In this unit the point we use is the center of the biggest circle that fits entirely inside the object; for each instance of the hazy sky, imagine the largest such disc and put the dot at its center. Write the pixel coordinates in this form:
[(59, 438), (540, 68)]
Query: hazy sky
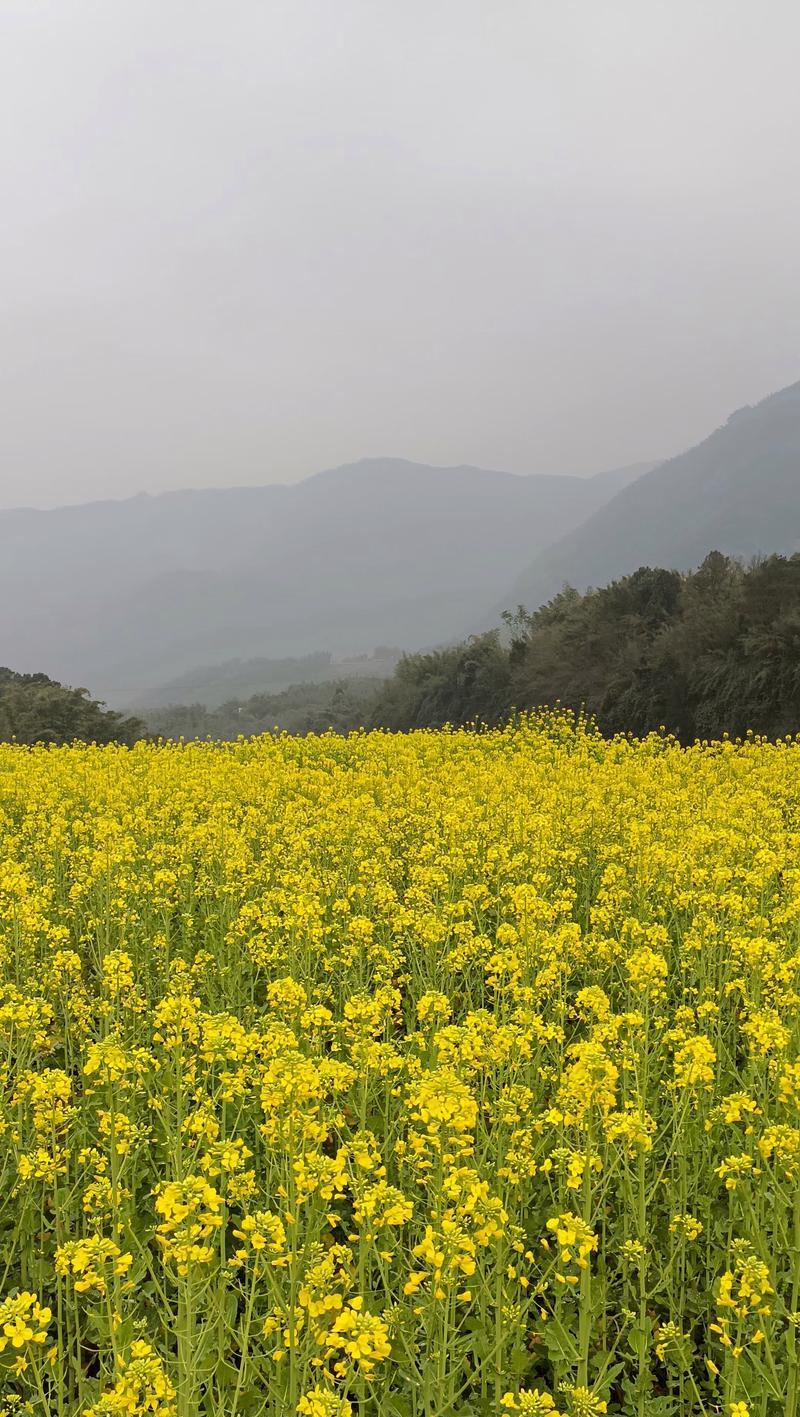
[(243, 241)]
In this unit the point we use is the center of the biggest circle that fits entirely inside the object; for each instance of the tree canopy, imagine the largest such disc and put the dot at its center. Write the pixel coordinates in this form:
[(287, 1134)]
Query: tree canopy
[(37, 709), (701, 654)]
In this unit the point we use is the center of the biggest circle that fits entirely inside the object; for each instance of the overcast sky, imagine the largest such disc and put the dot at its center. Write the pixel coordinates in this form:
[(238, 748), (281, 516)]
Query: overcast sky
[(244, 241)]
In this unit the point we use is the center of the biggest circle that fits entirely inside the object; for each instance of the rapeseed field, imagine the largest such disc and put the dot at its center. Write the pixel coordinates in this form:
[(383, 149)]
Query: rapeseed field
[(456, 1073)]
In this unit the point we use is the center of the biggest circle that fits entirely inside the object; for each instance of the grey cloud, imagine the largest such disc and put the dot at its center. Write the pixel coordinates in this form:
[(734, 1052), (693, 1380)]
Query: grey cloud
[(242, 242)]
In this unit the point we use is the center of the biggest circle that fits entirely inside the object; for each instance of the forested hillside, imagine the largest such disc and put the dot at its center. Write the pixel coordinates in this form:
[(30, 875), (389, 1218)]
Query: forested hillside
[(702, 654), (36, 709), (340, 705), (738, 491)]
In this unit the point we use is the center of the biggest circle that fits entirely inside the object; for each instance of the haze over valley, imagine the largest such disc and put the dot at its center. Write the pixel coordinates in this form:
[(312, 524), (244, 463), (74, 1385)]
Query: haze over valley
[(214, 594), (382, 552)]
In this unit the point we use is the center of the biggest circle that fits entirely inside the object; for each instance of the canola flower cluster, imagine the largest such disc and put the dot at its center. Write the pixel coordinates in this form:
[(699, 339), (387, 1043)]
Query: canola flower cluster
[(455, 1073)]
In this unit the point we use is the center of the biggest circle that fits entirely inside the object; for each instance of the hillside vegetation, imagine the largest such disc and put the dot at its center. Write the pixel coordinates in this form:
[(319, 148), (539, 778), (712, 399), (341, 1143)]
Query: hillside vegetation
[(340, 705), (713, 652), (702, 654), (36, 709), (738, 491), (214, 686)]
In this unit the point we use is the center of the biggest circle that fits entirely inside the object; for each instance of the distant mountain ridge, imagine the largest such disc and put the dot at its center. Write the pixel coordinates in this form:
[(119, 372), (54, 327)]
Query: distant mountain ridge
[(239, 679), (737, 492), (122, 596)]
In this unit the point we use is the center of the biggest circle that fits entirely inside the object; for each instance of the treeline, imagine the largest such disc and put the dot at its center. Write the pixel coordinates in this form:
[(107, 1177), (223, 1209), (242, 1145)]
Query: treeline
[(36, 709), (704, 654), (236, 681), (302, 708)]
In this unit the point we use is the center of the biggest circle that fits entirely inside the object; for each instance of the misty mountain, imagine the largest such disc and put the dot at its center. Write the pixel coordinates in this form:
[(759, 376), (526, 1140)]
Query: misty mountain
[(240, 679), (122, 596), (737, 492)]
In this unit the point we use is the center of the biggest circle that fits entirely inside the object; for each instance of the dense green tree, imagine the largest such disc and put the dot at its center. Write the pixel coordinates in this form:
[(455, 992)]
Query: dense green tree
[(712, 652), (36, 709), (470, 681)]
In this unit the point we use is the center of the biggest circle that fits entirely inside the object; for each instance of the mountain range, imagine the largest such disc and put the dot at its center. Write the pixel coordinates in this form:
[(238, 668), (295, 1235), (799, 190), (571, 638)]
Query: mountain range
[(133, 598), (738, 492), (122, 596)]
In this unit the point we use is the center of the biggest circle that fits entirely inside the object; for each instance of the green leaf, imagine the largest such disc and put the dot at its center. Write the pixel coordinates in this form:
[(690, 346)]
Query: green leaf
[(559, 1342)]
